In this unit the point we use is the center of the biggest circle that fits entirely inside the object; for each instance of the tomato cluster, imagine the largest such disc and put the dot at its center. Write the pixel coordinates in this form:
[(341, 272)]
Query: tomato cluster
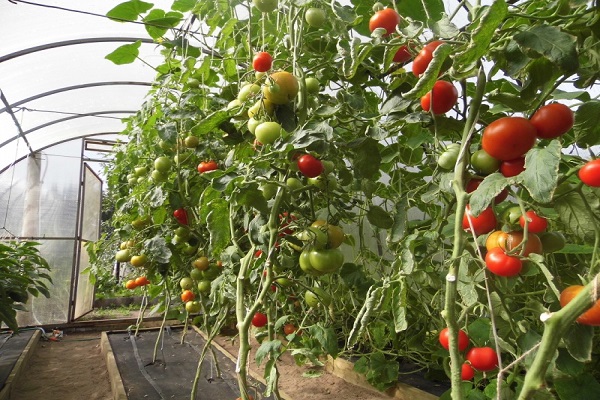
[(137, 282), (480, 358)]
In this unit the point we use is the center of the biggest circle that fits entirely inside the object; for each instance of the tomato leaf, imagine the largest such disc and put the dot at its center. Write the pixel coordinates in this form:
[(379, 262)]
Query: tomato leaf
[(129, 10), (267, 347), (567, 364), (399, 304), (157, 22), (327, 337), (487, 191), (573, 213), (587, 124), (424, 11), (541, 171), (217, 222), (250, 195), (398, 229), (483, 33), (444, 27), (211, 122), (539, 261), (367, 159), (578, 339), (584, 386), (480, 331), (157, 249), (551, 43), (353, 54), (125, 54), (380, 218)]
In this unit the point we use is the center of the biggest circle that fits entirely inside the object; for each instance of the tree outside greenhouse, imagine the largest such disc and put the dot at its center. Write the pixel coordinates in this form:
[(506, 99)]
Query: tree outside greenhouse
[(401, 180)]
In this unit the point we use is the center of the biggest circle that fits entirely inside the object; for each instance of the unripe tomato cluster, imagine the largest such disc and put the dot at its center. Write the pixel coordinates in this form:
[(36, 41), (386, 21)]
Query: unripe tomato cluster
[(477, 358), (137, 282)]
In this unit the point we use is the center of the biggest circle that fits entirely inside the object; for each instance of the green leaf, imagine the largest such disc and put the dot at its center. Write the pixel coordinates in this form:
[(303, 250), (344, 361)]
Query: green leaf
[(326, 337), (8, 316), (551, 43), (211, 122), (353, 53), (380, 218), (424, 11), (157, 249), (183, 5), (487, 191), (567, 364), (480, 331), (444, 27), (541, 171), (399, 305), (157, 22), (382, 372), (587, 124), (250, 195), (125, 54), (129, 10), (267, 347), (482, 35), (574, 214), (217, 222), (582, 387), (579, 339), (398, 230)]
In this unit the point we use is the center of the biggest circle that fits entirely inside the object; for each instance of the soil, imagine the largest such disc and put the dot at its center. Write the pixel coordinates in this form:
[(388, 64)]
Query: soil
[(73, 368)]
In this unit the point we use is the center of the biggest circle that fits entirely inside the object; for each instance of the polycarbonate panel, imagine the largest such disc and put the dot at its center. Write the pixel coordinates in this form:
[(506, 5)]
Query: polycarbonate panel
[(84, 298), (12, 195), (92, 204), (55, 309)]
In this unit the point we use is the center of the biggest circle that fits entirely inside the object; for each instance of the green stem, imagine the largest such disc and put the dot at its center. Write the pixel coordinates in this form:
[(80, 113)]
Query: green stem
[(164, 321)]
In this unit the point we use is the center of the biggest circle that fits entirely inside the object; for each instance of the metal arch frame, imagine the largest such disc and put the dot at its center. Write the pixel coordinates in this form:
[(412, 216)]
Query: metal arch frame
[(73, 42), (16, 161), (75, 87)]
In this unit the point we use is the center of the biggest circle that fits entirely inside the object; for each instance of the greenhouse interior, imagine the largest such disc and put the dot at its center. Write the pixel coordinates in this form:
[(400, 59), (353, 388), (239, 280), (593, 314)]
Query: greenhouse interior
[(300, 199)]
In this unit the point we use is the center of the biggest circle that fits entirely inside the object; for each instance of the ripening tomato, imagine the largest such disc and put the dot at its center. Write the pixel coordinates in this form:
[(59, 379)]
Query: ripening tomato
[(206, 166), (483, 223), (536, 223), (501, 264), (142, 281), (259, 320), (181, 216), (467, 372), (509, 241), (262, 61), (310, 166), (130, 284), (552, 120), (187, 295), (590, 173), (445, 96), (424, 57), (474, 183), (508, 138), (591, 316), (402, 55), (512, 167), (387, 19), (288, 329), (483, 358), (463, 339)]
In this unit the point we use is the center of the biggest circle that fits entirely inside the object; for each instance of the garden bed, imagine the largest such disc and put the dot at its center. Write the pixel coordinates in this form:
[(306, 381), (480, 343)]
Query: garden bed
[(15, 350)]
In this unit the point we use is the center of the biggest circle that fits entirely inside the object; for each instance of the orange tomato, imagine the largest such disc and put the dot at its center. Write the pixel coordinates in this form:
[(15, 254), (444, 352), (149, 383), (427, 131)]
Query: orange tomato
[(187, 295), (142, 281), (130, 284), (591, 316), (510, 240)]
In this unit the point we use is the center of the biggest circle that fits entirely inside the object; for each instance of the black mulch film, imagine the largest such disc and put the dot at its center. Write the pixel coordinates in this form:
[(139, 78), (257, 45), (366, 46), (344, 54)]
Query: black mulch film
[(172, 375), (11, 347)]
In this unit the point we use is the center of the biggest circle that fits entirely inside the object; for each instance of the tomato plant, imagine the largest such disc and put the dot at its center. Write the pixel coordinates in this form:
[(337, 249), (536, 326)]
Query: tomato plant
[(552, 120), (535, 223), (501, 264), (387, 19), (508, 138), (262, 61), (463, 339), (444, 96), (482, 358), (590, 173)]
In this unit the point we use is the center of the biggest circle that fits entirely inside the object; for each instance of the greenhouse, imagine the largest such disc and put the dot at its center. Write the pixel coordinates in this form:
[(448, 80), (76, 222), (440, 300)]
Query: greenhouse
[(300, 199)]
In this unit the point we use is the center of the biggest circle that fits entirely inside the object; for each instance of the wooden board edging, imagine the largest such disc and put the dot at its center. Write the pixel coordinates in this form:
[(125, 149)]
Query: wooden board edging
[(344, 369), (13, 377), (116, 383)]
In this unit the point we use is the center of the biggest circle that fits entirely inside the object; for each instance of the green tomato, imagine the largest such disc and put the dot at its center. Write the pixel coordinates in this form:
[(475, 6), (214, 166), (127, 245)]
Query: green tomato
[(305, 264), (284, 282), (316, 296), (269, 190), (294, 183), (315, 17), (265, 5), (204, 286), (252, 124), (511, 215), (552, 241), (186, 283), (483, 163), (196, 274), (191, 142), (140, 171), (312, 85), (193, 83), (268, 132), (189, 250), (448, 158), (326, 260), (247, 91), (315, 236), (193, 307), (324, 182), (123, 255), (158, 176), (162, 164)]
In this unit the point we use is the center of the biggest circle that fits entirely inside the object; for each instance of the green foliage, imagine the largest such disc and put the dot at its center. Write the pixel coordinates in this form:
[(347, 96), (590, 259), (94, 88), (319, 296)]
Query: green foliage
[(23, 272)]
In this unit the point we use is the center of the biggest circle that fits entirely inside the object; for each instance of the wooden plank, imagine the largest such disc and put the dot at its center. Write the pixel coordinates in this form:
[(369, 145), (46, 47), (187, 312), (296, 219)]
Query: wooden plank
[(116, 383), (344, 369), (6, 392)]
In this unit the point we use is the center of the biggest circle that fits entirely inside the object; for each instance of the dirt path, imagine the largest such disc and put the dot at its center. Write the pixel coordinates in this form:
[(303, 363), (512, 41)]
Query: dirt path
[(70, 369)]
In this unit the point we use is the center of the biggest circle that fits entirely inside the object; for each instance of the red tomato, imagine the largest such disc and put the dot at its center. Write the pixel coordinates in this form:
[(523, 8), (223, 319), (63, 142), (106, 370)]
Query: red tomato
[(536, 223), (288, 329), (512, 167), (206, 166), (259, 320), (187, 295), (310, 166), (387, 19), (552, 120), (467, 372), (484, 223), (181, 216), (591, 316), (402, 55), (424, 57), (501, 264), (142, 281), (590, 173), (474, 183), (262, 61), (483, 358), (463, 339), (508, 138), (445, 96)]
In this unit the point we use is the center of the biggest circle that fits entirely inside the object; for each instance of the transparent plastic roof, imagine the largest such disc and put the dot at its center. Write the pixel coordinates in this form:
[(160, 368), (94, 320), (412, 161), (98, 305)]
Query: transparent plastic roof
[(55, 79)]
